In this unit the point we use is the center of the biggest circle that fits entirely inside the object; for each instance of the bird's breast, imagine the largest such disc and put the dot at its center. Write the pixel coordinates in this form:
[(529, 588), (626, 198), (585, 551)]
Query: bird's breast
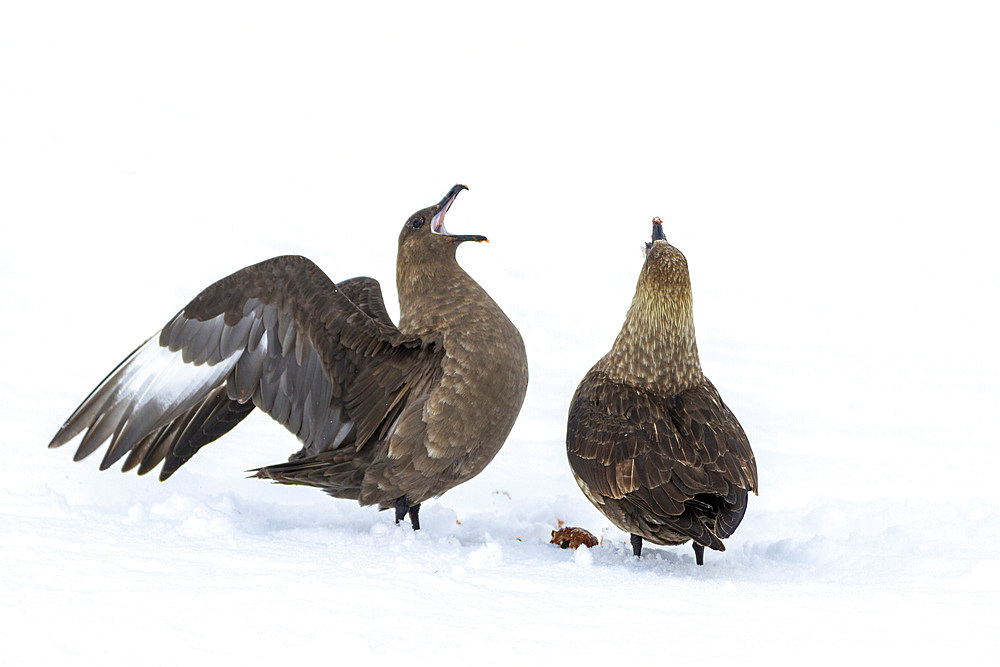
[(481, 391)]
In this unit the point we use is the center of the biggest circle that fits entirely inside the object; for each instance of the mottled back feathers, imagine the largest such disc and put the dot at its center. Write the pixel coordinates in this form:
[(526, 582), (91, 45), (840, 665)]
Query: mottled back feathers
[(669, 468)]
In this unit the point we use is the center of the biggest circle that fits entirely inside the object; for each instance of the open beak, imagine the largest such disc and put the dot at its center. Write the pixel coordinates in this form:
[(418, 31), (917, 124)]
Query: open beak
[(437, 222)]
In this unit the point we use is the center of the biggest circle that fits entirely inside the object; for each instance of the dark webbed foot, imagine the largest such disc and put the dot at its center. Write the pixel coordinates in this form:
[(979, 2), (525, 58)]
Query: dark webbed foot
[(636, 546), (699, 553), (403, 506)]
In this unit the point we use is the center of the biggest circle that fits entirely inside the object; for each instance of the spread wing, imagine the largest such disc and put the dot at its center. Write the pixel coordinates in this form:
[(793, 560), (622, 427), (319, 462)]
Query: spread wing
[(682, 462), (324, 360)]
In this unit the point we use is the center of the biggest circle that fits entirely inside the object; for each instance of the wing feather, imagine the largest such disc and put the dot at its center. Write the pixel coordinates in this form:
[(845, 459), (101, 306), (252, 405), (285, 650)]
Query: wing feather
[(689, 465), (278, 335)]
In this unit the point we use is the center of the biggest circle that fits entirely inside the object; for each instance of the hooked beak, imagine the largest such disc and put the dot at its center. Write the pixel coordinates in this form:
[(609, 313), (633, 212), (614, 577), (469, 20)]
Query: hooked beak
[(437, 222), (658, 230), (657, 235)]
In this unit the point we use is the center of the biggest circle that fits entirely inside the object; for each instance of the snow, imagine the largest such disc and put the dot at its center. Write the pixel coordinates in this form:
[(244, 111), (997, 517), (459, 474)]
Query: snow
[(830, 173)]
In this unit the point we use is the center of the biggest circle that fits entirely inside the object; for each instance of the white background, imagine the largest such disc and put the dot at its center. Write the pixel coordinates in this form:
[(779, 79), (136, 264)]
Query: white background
[(830, 171)]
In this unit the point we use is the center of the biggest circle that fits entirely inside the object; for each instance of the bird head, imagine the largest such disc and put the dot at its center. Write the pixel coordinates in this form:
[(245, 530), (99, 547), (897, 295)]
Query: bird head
[(665, 268), (424, 231)]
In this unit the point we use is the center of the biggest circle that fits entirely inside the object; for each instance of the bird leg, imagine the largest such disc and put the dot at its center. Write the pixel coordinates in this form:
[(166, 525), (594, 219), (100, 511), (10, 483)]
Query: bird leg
[(636, 546), (403, 506), (699, 553)]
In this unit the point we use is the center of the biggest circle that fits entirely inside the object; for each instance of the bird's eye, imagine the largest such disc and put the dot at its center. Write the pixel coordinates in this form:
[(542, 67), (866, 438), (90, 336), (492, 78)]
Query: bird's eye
[(417, 223)]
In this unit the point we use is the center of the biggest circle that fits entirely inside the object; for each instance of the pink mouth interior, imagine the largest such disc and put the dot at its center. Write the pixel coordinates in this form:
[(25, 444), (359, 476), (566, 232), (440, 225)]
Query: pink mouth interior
[(437, 222)]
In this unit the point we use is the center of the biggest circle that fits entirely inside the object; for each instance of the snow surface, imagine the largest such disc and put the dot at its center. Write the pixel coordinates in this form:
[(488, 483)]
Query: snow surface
[(830, 172)]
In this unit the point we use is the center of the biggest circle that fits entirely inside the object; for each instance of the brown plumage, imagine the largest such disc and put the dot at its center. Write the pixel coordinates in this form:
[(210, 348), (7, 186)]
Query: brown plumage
[(386, 415), (649, 439)]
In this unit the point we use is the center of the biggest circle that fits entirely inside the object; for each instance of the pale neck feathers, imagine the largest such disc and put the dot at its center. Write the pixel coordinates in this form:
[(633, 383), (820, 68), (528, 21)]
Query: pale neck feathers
[(656, 347)]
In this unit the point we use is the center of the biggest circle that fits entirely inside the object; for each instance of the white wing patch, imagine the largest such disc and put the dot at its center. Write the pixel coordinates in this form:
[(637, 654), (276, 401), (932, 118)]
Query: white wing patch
[(149, 389), (154, 388), (156, 376), (262, 357)]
